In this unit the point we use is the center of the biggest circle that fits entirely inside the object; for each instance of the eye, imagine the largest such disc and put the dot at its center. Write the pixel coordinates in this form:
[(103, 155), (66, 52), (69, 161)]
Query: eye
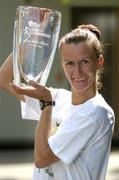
[(69, 63), (84, 61)]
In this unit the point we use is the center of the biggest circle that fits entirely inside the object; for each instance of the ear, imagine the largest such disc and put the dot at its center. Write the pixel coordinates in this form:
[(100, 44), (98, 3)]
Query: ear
[(100, 61)]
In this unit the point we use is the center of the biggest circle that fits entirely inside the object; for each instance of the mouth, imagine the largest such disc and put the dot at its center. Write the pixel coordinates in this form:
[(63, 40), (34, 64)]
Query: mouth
[(78, 80)]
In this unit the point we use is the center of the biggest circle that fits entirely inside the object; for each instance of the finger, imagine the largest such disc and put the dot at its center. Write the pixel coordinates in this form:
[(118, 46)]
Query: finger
[(35, 84), (26, 90), (17, 89)]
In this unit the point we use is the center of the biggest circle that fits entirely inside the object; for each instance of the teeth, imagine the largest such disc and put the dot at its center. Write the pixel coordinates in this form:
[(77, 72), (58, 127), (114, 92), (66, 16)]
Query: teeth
[(76, 79)]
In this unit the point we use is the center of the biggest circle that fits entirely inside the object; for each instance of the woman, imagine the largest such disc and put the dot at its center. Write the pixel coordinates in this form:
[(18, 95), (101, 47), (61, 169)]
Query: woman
[(83, 122)]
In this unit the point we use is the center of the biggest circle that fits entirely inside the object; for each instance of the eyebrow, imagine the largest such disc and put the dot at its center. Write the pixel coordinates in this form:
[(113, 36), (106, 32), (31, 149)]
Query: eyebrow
[(86, 57)]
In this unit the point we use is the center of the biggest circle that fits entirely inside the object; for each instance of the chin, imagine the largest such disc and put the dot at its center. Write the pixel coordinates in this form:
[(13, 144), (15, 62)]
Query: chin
[(82, 89), (79, 90)]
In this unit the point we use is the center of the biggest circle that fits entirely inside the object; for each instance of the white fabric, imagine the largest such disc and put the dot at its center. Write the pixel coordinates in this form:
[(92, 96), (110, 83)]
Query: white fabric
[(30, 109), (82, 141)]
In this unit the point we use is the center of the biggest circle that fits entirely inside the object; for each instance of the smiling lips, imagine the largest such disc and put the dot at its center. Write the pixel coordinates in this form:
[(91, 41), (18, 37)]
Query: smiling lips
[(79, 79)]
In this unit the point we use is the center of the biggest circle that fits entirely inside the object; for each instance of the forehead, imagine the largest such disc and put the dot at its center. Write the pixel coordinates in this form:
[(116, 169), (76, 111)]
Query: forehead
[(77, 50)]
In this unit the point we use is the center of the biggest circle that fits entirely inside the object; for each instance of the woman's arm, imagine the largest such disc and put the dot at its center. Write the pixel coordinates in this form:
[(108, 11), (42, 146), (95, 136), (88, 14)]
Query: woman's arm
[(6, 77), (43, 154)]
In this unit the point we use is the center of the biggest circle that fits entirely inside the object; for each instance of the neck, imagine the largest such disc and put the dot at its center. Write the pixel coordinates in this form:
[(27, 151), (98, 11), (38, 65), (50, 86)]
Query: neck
[(81, 97)]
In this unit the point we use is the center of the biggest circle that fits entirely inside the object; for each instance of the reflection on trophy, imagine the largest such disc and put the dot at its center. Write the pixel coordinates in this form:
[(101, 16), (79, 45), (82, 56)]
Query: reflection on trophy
[(36, 32)]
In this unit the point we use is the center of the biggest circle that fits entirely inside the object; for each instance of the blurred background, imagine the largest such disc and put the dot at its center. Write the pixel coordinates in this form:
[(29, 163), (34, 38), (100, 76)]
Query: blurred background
[(17, 135)]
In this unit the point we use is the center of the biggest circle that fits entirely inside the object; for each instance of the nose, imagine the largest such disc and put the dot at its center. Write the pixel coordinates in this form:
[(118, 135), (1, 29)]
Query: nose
[(78, 69)]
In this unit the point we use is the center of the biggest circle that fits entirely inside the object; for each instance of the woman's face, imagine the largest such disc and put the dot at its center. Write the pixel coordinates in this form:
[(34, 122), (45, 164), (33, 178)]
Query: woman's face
[(80, 65)]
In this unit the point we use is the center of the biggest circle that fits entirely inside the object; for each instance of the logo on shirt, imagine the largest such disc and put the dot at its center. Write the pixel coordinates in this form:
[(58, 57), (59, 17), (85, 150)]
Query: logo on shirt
[(49, 172)]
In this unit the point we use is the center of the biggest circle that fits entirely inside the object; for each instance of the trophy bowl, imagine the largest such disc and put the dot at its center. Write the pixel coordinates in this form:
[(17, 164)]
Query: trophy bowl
[(36, 33)]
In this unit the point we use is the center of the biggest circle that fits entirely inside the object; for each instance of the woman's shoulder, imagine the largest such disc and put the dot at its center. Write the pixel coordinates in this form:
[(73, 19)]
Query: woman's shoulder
[(102, 104), (97, 106), (102, 110)]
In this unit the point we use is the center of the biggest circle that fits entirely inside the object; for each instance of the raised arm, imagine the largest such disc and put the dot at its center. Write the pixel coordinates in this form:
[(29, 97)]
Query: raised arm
[(6, 77), (43, 154)]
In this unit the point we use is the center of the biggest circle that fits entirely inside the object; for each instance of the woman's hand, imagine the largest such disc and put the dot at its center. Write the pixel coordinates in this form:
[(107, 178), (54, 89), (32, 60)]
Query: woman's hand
[(34, 90)]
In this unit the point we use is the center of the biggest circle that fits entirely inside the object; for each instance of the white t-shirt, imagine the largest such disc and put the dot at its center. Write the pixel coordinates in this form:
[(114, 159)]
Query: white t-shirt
[(82, 140)]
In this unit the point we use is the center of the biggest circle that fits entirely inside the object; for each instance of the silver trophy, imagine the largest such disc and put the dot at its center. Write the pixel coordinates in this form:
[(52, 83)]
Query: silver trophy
[(36, 32)]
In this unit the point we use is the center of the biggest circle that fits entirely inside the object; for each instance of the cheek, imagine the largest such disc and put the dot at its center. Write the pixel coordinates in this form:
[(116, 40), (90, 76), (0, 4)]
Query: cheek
[(66, 70), (68, 73), (92, 75), (92, 69)]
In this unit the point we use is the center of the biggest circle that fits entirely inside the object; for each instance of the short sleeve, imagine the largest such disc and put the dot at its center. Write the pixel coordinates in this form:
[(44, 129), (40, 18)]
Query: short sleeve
[(72, 137)]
